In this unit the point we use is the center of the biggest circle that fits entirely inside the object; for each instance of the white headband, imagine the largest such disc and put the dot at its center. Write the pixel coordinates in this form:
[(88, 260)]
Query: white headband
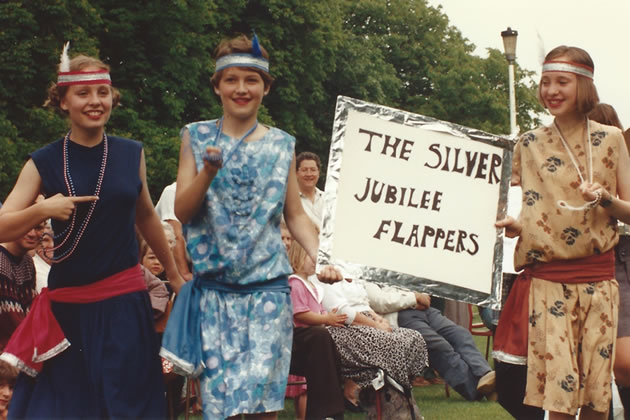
[(569, 67), (242, 60), (65, 77), (83, 78)]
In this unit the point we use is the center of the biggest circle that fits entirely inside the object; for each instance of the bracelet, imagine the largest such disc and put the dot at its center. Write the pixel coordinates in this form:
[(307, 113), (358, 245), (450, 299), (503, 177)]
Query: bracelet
[(598, 199)]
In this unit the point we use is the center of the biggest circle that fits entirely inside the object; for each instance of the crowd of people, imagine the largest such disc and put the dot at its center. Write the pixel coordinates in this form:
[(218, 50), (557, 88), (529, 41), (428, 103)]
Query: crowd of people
[(89, 269)]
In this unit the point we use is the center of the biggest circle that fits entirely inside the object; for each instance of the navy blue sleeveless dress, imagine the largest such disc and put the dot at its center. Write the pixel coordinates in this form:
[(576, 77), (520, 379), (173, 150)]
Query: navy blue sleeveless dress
[(112, 368)]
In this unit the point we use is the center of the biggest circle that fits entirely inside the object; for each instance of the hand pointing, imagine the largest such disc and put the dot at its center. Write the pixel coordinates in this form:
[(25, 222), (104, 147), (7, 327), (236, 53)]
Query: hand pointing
[(60, 207)]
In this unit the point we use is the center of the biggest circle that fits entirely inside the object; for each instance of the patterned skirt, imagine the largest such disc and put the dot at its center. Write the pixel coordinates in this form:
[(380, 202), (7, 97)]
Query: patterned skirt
[(401, 354), (572, 331), (246, 341)]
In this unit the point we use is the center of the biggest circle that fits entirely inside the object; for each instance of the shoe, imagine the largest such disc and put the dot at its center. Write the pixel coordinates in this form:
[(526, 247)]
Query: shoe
[(487, 383), (436, 381), (420, 381)]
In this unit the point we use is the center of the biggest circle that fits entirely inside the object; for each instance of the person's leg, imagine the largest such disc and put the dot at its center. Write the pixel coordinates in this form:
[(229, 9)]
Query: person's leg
[(442, 355), (315, 357), (511, 381), (587, 413), (622, 373), (300, 406), (461, 340)]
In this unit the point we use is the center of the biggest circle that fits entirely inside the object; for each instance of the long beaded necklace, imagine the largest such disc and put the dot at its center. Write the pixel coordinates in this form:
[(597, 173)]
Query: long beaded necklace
[(68, 232), (589, 204)]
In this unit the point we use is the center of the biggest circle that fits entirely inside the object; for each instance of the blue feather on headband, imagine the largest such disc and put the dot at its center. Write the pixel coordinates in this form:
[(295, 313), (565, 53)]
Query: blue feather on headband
[(256, 51)]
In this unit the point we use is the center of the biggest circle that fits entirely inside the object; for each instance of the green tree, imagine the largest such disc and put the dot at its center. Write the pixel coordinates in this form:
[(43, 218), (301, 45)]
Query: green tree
[(439, 75), (400, 53)]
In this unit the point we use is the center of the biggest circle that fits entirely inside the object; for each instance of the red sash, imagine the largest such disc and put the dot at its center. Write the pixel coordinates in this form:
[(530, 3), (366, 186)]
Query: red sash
[(39, 337), (510, 338)]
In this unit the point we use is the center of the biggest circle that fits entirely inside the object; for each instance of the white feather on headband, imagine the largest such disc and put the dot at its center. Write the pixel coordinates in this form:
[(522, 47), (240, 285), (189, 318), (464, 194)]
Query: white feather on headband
[(64, 61), (541, 49), (65, 77)]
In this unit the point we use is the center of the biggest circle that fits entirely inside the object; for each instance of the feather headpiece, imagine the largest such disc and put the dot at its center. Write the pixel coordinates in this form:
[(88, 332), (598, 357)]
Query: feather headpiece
[(541, 49), (67, 77), (254, 59), (64, 61)]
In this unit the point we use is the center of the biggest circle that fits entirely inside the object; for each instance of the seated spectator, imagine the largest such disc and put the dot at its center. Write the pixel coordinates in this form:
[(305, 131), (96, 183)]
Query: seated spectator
[(153, 270), (306, 298), (314, 358), (17, 281), (452, 350), (368, 343), (8, 375)]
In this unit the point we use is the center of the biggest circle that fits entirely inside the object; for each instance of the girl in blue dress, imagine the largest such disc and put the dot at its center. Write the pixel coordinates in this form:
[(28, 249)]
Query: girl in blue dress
[(93, 355), (236, 179)]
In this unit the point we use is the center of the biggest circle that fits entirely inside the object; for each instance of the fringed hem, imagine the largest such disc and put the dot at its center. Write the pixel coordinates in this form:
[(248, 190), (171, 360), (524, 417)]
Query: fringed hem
[(14, 361), (64, 344), (180, 366), (509, 358)]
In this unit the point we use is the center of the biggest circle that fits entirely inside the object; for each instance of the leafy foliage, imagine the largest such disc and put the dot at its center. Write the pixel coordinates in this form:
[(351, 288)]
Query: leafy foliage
[(400, 53)]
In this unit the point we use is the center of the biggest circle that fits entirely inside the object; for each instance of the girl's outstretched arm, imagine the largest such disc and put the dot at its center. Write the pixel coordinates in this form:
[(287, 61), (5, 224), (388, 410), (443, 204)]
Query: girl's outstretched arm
[(192, 185), (19, 214), (302, 227), (150, 226)]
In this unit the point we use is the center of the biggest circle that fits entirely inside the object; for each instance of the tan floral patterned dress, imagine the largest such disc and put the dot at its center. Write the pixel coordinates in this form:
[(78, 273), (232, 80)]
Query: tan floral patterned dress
[(572, 327)]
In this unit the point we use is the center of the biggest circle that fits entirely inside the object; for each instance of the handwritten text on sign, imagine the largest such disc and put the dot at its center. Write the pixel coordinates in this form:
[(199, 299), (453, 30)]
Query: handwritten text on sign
[(417, 201)]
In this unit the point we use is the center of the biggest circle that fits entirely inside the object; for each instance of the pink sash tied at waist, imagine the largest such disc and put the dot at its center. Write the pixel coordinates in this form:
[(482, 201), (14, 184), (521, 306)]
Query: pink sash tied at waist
[(39, 336), (510, 339)]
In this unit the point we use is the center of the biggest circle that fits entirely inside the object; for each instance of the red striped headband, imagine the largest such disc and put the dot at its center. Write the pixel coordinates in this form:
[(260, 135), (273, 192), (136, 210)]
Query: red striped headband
[(83, 78), (569, 67)]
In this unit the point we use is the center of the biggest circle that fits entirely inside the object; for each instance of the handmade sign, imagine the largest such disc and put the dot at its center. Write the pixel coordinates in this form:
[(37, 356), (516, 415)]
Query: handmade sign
[(411, 200)]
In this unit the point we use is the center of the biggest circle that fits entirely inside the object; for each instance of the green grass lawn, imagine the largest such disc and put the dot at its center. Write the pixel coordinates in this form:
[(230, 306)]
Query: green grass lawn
[(433, 403)]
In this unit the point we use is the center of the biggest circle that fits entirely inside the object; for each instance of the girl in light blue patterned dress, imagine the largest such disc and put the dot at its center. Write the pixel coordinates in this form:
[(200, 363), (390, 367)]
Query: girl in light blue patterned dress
[(233, 323)]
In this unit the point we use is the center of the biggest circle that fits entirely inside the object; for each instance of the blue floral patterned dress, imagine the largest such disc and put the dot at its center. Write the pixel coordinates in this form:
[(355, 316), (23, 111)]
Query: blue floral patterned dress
[(240, 267)]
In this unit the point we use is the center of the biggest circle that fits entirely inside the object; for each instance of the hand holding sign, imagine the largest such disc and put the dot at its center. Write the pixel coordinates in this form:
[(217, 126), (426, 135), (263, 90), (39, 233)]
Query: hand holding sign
[(512, 226)]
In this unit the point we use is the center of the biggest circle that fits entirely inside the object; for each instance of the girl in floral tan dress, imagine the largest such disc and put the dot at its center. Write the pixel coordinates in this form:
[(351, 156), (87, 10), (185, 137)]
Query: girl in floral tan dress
[(560, 319)]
